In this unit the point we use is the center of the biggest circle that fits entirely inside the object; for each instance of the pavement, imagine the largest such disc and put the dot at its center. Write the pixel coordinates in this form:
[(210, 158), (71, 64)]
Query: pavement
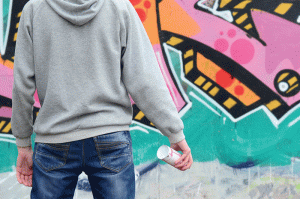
[(210, 180)]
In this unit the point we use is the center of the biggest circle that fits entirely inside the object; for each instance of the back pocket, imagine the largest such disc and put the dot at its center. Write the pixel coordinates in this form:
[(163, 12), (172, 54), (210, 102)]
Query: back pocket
[(51, 156), (114, 156)]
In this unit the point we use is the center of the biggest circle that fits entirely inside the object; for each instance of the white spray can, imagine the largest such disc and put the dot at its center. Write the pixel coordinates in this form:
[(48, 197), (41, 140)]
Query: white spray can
[(168, 154)]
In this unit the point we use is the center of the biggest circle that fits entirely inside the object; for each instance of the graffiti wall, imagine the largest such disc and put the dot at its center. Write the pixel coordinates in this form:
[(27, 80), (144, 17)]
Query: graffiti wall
[(233, 70)]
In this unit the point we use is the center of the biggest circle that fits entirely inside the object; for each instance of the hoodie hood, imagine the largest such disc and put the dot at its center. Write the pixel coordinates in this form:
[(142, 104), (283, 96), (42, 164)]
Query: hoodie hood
[(78, 12)]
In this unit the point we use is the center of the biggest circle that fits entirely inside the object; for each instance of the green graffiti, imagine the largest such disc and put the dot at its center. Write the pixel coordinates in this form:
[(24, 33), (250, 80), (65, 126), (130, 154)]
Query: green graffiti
[(5, 16), (211, 135), (251, 141), (8, 155)]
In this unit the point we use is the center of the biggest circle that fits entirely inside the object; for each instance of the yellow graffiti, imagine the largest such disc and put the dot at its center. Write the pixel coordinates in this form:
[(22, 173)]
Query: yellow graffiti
[(273, 105), (229, 103), (242, 18), (243, 4), (283, 8)]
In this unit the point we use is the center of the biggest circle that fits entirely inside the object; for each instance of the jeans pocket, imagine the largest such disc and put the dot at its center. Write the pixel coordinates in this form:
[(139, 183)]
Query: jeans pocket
[(51, 156), (114, 150)]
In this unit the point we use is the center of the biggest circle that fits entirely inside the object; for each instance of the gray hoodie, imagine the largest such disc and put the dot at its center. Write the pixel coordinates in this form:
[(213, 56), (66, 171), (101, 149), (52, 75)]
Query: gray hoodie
[(85, 57)]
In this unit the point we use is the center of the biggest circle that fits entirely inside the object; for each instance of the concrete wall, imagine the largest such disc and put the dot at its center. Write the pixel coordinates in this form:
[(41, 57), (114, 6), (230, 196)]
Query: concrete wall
[(232, 69)]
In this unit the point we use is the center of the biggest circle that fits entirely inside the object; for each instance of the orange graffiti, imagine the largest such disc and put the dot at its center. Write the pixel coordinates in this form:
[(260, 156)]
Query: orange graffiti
[(147, 13), (174, 19), (234, 87), (7, 63)]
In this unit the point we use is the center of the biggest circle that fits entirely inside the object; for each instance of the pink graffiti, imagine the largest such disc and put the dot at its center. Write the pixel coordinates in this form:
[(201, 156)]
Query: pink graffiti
[(281, 50), (242, 51), (175, 94), (231, 33), (281, 37), (7, 81), (37, 101), (264, 62), (5, 112), (221, 45)]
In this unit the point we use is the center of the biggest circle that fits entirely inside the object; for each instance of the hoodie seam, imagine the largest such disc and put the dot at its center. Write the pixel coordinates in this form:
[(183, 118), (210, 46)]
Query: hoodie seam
[(35, 11), (116, 9)]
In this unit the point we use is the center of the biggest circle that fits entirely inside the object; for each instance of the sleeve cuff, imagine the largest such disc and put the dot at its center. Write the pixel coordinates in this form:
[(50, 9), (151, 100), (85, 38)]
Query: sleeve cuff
[(23, 142), (176, 137)]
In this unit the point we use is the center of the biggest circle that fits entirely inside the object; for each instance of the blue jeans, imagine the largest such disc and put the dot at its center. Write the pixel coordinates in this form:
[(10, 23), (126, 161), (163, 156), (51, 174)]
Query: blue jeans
[(106, 159)]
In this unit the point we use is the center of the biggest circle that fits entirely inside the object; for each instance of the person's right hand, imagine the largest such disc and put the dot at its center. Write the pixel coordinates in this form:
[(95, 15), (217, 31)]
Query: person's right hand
[(186, 160), (24, 166)]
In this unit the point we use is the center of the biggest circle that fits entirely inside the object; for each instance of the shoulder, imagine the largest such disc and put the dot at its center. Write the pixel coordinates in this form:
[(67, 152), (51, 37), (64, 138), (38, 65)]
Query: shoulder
[(125, 10), (33, 5), (119, 5), (122, 6)]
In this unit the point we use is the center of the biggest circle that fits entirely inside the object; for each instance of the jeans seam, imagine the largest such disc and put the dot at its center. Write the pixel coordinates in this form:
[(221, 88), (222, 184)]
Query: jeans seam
[(113, 147), (110, 168), (49, 156), (116, 156), (107, 142), (115, 169), (83, 153), (62, 148), (99, 157)]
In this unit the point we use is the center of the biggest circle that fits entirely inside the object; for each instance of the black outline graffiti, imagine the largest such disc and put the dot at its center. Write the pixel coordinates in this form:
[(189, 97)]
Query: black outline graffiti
[(236, 70)]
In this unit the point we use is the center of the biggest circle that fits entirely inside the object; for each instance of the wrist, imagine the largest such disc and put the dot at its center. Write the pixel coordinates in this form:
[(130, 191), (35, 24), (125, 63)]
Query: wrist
[(24, 147)]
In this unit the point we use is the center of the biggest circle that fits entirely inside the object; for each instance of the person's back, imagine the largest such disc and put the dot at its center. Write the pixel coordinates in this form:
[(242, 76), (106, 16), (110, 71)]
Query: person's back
[(85, 57)]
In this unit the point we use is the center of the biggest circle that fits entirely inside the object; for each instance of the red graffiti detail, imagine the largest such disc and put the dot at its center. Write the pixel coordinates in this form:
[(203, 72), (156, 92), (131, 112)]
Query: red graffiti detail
[(141, 14), (239, 90), (135, 2), (147, 4), (224, 79)]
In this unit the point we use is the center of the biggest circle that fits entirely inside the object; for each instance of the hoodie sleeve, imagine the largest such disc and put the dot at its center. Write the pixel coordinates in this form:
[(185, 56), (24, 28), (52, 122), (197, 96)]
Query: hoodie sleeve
[(24, 81), (143, 79)]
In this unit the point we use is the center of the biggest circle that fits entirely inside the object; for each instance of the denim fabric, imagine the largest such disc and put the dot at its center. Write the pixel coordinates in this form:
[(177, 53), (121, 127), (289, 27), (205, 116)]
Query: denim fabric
[(106, 159)]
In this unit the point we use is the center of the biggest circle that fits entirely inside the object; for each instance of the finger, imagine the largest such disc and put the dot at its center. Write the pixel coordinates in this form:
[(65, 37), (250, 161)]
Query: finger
[(184, 162), (19, 177), (30, 180), (23, 179), (180, 159), (26, 181), (189, 164)]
